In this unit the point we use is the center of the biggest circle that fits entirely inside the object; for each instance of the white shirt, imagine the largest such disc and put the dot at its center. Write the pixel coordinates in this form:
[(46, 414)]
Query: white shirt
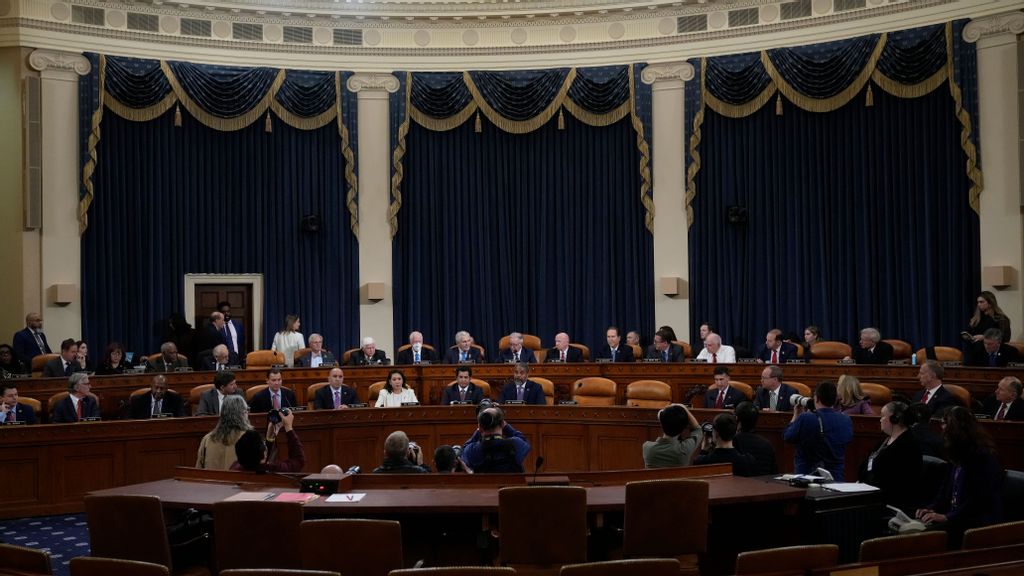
[(288, 343), (315, 359), (388, 400), (234, 337), (726, 355)]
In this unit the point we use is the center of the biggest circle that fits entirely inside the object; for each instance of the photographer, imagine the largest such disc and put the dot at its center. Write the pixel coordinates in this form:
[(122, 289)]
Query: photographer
[(401, 456), (819, 432), (495, 445), (671, 448), (717, 447), (448, 459), (251, 448)]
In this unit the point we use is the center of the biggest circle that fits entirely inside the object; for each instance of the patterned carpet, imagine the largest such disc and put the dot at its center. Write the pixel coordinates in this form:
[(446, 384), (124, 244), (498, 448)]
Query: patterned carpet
[(64, 537)]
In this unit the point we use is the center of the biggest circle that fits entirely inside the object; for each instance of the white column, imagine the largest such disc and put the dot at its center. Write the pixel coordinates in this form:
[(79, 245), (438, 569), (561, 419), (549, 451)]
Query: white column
[(671, 258), (375, 316), (1002, 229), (59, 244)]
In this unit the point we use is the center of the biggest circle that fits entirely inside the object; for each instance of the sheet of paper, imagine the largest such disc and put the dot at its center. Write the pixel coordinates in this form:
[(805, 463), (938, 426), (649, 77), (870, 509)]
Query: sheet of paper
[(349, 497), (849, 487)]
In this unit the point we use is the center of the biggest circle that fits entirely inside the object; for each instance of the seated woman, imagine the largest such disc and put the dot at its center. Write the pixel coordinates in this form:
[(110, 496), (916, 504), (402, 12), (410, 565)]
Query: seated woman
[(395, 391), (217, 449), (850, 398), (82, 357), (895, 466), (9, 362), (113, 360)]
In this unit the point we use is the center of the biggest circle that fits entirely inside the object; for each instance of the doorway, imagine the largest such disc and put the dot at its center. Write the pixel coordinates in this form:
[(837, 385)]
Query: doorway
[(245, 294)]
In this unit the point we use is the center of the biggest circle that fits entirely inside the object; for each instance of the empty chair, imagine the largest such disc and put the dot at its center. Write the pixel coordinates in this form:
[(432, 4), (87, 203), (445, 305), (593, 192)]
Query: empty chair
[(789, 559), (829, 352), (995, 535), (249, 522), (582, 348), (594, 391), (275, 572), (648, 394), (92, 566), (942, 354), (903, 546), (878, 394), (542, 527), (651, 526), (800, 387), (375, 546), (457, 571), (637, 567), (901, 349), (1013, 496), (548, 386), (23, 560), (263, 359)]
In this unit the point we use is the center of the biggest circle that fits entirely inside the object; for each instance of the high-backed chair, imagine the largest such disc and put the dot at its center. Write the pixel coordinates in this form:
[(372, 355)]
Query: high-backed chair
[(275, 572), (39, 361), (348, 354), (456, 571), (799, 349), (638, 352), (60, 396), (961, 394), (93, 566), (994, 535), (648, 394), (405, 347), (481, 349), (1013, 496), (376, 546), (131, 528), (548, 386), (789, 559), (1018, 345), (299, 354), (636, 567), (35, 404), (800, 387), (154, 358), (901, 349), (24, 560), (880, 395), (903, 546), (195, 394), (263, 359), (483, 384), (252, 522), (662, 535), (687, 351), (584, 349), (529, 341), (252, 391), (594, 391), (375, 389), (747, 389), (829, 352), (942, 354), (542, 527), (311, 393)]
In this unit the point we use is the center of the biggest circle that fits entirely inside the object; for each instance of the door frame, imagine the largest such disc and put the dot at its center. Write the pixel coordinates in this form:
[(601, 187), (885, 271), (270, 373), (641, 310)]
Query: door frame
[(255, 283)]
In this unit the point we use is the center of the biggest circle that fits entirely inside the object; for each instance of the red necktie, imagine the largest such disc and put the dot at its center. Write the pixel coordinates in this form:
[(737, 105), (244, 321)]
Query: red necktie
[(563, 355), (924, 399), (714, 358), (775, 357), (12, 415), (277, 402), (78, 408), (721, 399), (1002, 412)]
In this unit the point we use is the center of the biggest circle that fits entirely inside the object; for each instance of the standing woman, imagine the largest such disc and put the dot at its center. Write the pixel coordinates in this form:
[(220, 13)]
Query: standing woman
[(850, 399), (217, 449), (988, 314), (289, 339), (895, 466), (395, 391)]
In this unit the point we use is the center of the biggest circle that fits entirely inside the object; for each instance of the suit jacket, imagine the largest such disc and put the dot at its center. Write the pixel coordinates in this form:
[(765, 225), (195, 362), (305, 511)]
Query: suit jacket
[(209, 403), (525, 355), (307, 359), (261, 401), (675, 353), (54, 368), (624, 354), (25, 346), (241, 337), (732, 398), (941, 401), (358, 358), (161, 366), (474, 394), (572, 354), (452, 355), (533, 393), (1014, 413), (324, 397), (213, 338), (64, 411), (142, 406), (426, 355), (24, 413), (762, 401), (881, 355), (210, 364), (977, 356), (786, 353)]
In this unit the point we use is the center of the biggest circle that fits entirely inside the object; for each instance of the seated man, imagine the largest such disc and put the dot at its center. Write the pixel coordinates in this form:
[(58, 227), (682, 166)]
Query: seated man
[(67, 364), (775, 350), (218, 360), (750, 442), (335, 396), (169, 361), (871, 349), (78, 405), (715, 352), (718, 448), (251, 449), (562, 352), (274, 396), (992, 352), (401, 456), (773, 393), (820, 436), (515, 351), (1006, 404), (316, 356), (521, 388), (464, 351), (463, 390), (495, 446), (614, 350), (223, 385), (680, 436), (721, 395), (368, 354), (158, 401), (12, 411), (934, 395), (416, 353)]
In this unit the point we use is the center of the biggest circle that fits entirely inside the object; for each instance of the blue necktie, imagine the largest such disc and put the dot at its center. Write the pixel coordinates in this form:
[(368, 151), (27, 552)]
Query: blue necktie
[(992, 359), (666, 356), (613, 355), (417, 358)]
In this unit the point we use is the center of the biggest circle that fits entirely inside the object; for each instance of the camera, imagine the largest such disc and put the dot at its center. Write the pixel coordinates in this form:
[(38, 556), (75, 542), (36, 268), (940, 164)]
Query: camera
[(457, 450), (274, 416), (804, 402), (707, 428)]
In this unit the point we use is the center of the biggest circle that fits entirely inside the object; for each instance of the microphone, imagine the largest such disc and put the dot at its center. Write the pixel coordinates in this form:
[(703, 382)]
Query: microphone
[(536, 467)]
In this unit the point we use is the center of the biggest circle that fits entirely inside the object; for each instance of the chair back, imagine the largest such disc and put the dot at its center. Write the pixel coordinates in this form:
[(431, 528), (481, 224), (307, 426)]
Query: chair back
[(878, 394), (542, 355), (1018, 345), (1005, 534), (961, 394), (529, 341), (800, 387), (39, 361), (903, 546), (942, 354), (93, 566), (128, 528), (154, 358), (636, 567), (1013, 496), (482, 384), (542, 525), (140, 392), (594, 391), (348, 354), (300, 353), (311, 393), (662, 535), (195, 394), (263, 358), (648, 394), (687, 351), (252, 522), (799, 349), (829, 352), (747, 390), (549, 388), (252, 391), (275, 572), (36, 405), (582, 348), (789, 559), (375, 389), (901, 349), (638, 352), (405, 347), (457, 571), (375, 545), (481, 349), (60, 396), (28, 561)]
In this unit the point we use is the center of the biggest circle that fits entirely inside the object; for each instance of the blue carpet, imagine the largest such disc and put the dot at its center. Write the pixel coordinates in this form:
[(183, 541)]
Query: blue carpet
[(64, 537)]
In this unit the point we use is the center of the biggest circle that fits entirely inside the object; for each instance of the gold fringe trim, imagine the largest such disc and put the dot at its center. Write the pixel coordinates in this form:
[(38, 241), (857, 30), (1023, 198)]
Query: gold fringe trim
[(778, 104), (478, 126), (520, 126), (350, 162), (737, 110), (695, 137), (139, 114), (973, 172), (645, 155), (303, 122), (396, 160), (216, 122), (910, 90), (599, 120), (825, 104), (90, 165), (869, 98), (561, 118), (177, 116), (444, 124), (268, 126)]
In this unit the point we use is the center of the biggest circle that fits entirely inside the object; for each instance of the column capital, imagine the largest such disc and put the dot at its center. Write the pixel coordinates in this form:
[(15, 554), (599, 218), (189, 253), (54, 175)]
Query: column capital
[(995, 25), (677, 71), (371, 81), (59, 62)]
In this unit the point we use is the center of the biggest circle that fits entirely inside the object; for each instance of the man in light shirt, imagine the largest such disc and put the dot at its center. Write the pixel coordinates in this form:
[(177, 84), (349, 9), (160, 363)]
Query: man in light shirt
[(715, 352), (316, 356)]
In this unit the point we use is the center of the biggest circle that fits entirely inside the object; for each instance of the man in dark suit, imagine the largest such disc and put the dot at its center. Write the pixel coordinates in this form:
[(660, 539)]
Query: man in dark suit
[(934, 395), (464, 352), (219, 359), (515, 351), (12, 411), (563, 352), (776, 351), (368, 354), (416, 353), (773, 394), (224, 385), (78, 405), (235, 337), (463, 390), (871, 349), (317, 356), (274, 396), (159, 401), (215, 332), (66, 365), (1006, 404), (169, 361), (522, 388), (30, 341), (721, 395), (614, 350), (663, 349), (335, 396), (991, 352)]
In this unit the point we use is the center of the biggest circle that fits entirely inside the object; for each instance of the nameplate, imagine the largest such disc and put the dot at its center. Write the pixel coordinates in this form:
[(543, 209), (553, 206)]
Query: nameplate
[(183, 369), (796, 361), (15, 423), (328, 364), (458, 402), (514, 402), (233, 367), (952, 364), (470, 361), (983, 416), (847, 361), (746, 360), (424, 362), (410, 403), (18, 376), (603, 360), (279, 366), (555, 360), (162, 415), (898, 362), (1015, 365), (297, 408), (701, 360), (139, 369), (652, 360), (357, 405), (567, 403), (91, 419)]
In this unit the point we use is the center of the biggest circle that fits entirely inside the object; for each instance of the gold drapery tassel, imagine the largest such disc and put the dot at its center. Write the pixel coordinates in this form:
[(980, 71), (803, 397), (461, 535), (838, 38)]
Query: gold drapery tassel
[(778, 104), (177, 115), (869, 99), (268, 127), (561, 119), (477, 126)]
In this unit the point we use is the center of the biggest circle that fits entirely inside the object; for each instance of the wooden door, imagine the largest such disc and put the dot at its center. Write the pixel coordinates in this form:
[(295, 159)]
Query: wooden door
[(240, 298)]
